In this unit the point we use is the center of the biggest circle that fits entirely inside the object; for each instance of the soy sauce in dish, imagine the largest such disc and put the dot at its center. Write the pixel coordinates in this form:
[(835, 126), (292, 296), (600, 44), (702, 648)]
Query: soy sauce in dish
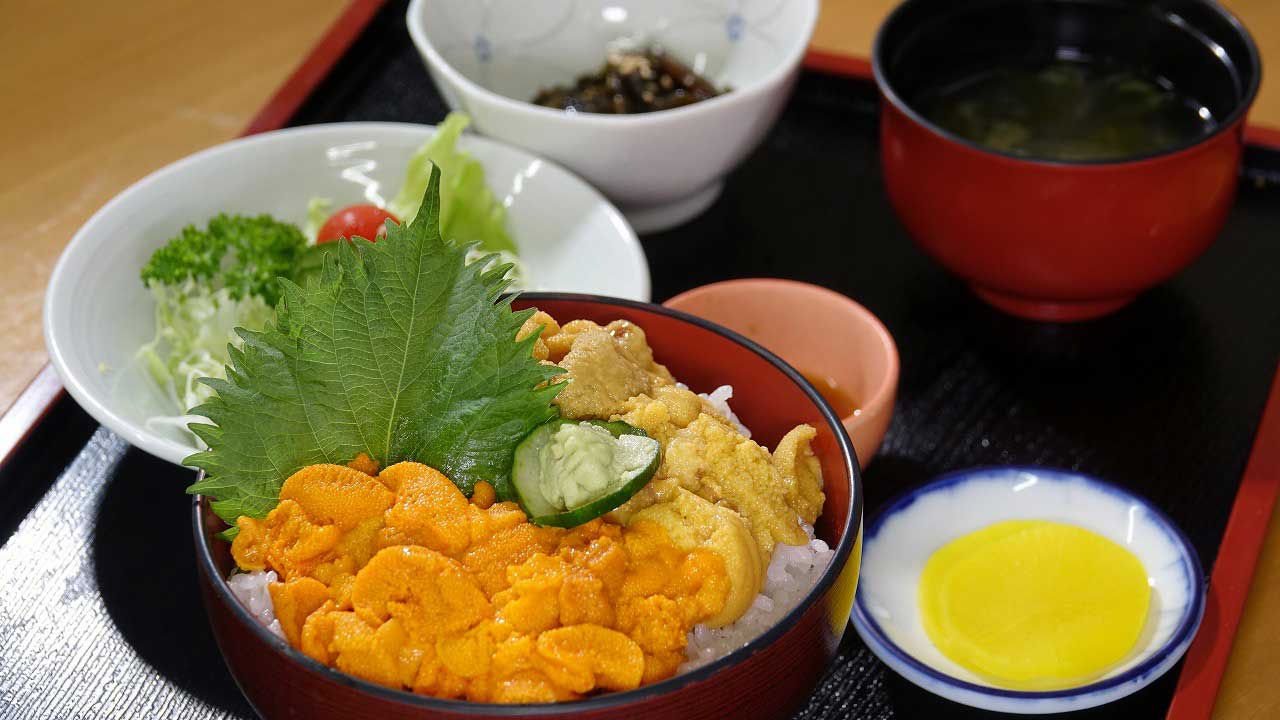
[(631, 82), (1067, 110), (835, 394)]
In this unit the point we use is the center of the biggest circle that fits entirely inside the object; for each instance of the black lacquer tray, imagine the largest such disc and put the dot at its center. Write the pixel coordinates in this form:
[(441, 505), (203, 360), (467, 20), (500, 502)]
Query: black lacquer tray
[(99, 611)]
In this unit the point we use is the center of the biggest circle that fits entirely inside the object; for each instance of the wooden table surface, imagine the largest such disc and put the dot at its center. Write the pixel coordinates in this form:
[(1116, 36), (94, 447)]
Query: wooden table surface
[(103, 93)]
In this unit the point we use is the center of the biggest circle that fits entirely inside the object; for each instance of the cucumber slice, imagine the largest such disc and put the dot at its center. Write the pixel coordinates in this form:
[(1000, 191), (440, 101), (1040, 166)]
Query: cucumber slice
[(567, 472)]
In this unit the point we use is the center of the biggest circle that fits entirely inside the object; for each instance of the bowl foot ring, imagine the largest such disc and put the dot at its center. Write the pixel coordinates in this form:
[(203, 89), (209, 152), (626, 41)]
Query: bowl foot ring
[(655, 218), (1051, 310)]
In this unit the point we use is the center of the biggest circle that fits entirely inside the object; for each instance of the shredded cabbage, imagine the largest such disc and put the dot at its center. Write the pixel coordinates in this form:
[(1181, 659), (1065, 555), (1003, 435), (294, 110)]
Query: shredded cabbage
[(516, 273), (194, 326), (318, 211)]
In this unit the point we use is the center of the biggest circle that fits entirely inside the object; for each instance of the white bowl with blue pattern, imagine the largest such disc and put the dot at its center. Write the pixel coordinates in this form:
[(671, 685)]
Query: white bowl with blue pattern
[(899, 540), (489, 57)]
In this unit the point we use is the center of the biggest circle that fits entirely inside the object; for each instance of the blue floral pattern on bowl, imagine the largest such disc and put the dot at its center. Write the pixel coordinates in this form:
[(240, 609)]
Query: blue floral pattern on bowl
[(721, 39)]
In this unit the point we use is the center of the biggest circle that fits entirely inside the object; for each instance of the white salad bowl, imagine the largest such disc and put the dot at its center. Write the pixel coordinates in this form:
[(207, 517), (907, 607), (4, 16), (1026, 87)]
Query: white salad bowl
[(490, 58), (900, 539), (97, 312)]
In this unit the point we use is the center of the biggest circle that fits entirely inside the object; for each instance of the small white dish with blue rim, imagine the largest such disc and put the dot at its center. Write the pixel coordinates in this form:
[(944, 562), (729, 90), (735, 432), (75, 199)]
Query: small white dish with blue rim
[(901, 538)]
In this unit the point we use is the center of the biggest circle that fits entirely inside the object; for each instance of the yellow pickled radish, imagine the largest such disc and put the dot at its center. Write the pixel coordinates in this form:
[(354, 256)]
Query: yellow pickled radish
[(1034, 604)]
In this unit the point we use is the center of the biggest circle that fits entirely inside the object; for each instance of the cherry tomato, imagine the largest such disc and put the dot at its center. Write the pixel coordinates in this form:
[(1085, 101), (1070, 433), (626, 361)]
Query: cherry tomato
[(366, 221)]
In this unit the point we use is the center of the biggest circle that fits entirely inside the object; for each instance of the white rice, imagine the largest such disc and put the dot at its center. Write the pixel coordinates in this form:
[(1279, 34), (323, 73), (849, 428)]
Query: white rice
[(792, 573), (719, 399), (251, 590)]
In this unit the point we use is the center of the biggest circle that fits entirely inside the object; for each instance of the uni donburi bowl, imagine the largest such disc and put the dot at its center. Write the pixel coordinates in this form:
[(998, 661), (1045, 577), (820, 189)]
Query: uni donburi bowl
[(771, 677)]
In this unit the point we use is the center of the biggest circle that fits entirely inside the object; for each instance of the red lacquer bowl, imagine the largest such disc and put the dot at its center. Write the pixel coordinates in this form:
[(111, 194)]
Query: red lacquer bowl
[(1050, 240), (769, 678)]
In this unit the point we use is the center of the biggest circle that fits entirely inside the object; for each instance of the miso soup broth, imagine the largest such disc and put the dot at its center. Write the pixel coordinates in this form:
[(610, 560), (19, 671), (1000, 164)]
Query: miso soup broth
[(1066, 110)]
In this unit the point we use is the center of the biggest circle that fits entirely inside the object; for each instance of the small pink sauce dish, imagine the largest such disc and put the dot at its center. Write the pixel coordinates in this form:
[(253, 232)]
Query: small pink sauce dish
[(829, 338)]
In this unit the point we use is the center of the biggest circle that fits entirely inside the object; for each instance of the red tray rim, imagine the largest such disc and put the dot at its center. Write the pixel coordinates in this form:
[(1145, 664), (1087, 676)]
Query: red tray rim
[(1247, 525)]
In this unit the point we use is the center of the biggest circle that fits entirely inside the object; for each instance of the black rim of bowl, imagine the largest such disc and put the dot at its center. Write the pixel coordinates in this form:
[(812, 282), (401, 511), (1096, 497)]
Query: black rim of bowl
[(1248, 93), (610, 700)]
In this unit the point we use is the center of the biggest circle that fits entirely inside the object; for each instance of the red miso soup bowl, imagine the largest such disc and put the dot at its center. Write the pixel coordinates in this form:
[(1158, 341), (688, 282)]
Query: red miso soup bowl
[(771, 677), (1056, 240)]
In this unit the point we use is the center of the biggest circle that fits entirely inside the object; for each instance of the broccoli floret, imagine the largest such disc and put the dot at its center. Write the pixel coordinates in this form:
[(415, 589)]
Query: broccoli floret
[(243, 254)]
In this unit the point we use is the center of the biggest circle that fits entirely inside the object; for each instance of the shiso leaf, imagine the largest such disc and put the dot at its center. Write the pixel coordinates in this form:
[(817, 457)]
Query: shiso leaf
[(399, 349)]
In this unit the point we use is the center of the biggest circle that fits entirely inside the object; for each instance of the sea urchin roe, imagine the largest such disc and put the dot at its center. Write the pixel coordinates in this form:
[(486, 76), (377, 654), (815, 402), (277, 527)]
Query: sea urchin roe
[(709, 457), (1033, 604), (401, 581)]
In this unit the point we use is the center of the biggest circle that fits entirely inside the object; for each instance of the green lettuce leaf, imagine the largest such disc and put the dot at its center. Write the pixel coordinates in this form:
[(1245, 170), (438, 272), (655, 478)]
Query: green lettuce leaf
[(399, 349), (469, 213)]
